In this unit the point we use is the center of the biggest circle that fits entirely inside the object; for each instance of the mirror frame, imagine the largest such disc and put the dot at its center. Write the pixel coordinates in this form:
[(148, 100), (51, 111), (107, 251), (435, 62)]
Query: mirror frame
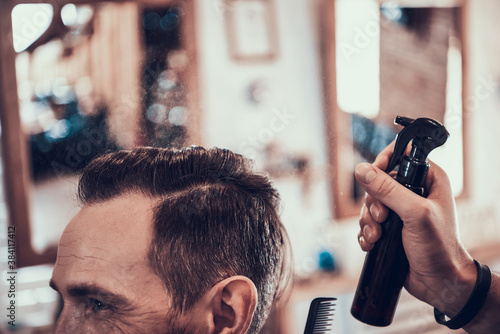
[(339, 143), (15, 158)]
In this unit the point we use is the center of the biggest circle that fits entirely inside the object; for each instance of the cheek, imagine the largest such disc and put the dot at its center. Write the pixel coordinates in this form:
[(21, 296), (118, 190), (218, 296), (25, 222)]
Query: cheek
[(70, 321), (75, 321)]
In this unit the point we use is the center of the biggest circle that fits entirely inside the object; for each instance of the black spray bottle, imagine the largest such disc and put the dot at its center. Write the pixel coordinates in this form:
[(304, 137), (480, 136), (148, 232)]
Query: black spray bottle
[(386, 266)]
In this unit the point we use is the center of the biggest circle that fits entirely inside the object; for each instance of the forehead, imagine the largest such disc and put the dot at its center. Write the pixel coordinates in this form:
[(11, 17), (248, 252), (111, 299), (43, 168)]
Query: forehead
[(107, 239), (122, 220)]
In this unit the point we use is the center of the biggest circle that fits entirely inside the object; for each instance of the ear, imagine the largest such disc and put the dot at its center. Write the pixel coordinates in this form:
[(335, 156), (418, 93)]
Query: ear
[(232, 305)]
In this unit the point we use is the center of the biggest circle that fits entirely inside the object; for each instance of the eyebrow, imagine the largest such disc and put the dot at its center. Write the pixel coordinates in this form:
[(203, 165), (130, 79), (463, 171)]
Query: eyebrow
[(104, 295)]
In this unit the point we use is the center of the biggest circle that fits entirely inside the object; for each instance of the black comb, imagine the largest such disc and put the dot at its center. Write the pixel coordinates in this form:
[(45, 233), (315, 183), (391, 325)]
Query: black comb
[(320, 317)]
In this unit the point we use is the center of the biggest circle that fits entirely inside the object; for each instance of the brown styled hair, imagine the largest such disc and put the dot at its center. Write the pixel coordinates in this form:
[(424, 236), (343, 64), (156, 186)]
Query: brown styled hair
[(214, 218)]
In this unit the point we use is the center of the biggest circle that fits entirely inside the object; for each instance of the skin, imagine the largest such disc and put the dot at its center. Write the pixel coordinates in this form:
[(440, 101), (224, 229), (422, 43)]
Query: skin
[(103, 275), (442, 273), (102, 271)]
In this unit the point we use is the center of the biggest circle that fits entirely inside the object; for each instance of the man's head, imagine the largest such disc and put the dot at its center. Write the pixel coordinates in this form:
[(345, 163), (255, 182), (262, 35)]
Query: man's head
[(171, 241)]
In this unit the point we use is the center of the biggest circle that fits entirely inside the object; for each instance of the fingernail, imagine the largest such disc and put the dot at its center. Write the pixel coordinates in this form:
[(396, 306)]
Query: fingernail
[(367, 232), (375, 211), (365, 172)]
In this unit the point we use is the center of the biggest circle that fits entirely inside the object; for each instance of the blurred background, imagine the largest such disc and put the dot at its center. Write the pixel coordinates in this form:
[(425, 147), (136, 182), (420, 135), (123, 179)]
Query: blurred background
[(305, 88)]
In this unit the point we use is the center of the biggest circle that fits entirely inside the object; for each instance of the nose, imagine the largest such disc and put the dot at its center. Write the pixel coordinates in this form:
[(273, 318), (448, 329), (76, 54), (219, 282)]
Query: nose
[(59, 326), (64, 324)]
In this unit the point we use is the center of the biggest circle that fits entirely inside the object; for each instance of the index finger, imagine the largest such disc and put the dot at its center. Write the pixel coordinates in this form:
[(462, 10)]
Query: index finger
[(382, 160)]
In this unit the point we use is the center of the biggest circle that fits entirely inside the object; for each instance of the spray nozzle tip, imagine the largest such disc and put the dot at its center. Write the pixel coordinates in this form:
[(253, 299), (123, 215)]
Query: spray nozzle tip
[(404, 121)]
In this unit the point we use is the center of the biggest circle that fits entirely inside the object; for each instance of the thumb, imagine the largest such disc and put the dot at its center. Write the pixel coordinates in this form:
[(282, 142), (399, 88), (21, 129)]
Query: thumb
[(383, 188)]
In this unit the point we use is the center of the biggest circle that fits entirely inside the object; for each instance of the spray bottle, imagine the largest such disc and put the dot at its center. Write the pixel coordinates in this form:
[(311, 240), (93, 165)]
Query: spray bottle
[(386, 266)]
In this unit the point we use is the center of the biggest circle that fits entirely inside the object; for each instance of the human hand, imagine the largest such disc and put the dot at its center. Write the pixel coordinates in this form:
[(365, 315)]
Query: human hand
[(441, 272)]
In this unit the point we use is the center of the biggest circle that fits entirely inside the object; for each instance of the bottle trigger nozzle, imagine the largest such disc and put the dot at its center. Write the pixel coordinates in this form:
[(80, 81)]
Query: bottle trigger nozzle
[(425, 134)]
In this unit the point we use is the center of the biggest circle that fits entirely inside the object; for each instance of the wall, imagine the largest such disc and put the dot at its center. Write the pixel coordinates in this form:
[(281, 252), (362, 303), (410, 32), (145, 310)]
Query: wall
[(478, 211), (481, 215), (289, 117)]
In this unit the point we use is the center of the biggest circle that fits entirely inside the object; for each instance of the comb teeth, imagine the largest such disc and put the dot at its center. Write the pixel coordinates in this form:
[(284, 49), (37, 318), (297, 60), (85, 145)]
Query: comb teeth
[(320, 317)]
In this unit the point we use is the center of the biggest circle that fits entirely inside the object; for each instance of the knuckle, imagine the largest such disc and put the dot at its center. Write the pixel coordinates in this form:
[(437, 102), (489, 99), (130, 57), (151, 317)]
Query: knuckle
[(369, 200), (363, 218), (386, 187), (421, 216)]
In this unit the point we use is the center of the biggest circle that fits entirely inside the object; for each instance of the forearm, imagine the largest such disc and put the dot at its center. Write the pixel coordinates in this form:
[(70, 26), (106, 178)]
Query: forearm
[(488, 318)]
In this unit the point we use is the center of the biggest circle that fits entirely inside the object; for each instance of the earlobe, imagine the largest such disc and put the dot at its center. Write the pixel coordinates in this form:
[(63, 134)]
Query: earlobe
[(234, 301)]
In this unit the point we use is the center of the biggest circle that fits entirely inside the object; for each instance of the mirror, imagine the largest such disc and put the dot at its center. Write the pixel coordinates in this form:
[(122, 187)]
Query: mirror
[(116, 74), (393, 58), (92, 78)]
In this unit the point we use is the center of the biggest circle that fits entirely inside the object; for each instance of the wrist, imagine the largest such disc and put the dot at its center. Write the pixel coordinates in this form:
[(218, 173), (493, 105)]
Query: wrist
[(487, 320), (474, 303), (450, 293)]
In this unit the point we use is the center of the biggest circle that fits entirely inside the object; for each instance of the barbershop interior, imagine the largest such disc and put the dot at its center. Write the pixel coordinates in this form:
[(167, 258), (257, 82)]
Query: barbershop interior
[(307, 89)]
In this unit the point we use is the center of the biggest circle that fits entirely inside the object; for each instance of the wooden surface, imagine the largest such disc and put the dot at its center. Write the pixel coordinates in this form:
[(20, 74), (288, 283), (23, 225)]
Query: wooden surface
[(14, 151), (466, 92), (326, 15)]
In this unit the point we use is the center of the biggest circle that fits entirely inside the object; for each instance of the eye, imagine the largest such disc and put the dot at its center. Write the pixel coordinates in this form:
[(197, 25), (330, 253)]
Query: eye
[(96, 305)]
